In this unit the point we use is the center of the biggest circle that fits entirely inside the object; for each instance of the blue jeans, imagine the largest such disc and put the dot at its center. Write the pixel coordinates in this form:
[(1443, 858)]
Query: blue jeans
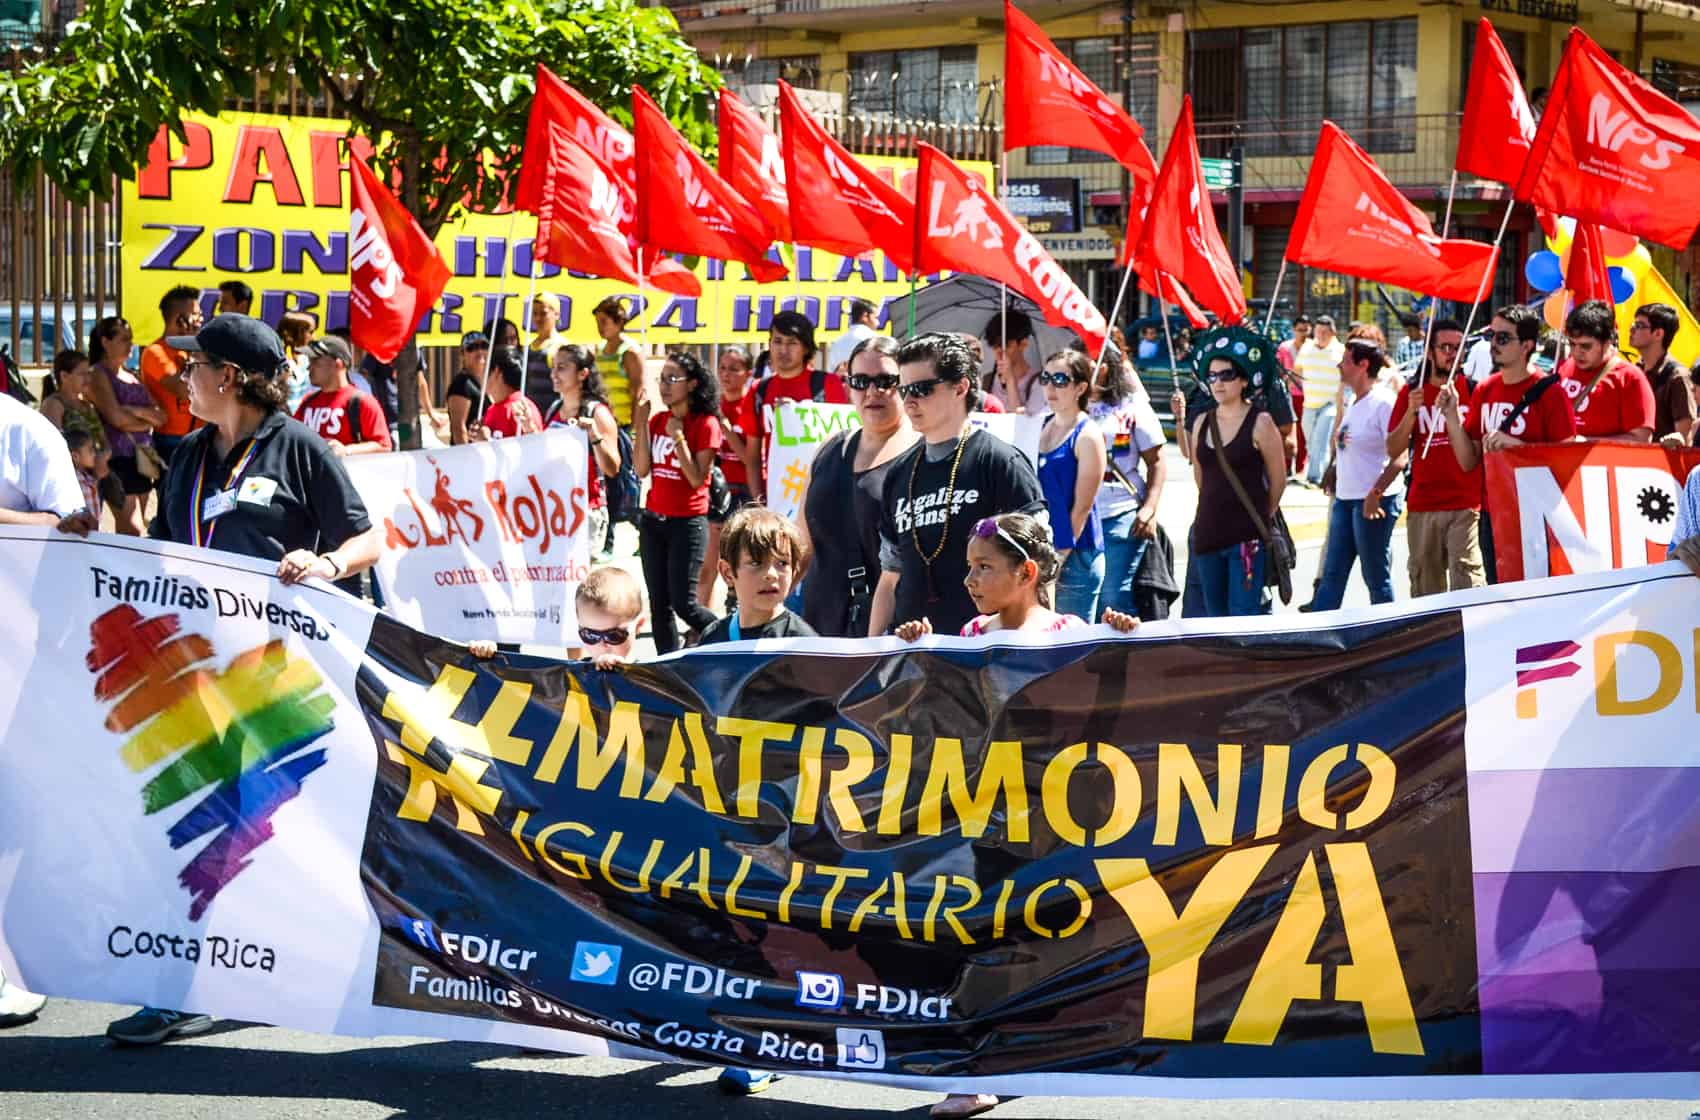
[(1318, 427), (1122, 553), (1226, 585), (1079, 582), (1353, 537)]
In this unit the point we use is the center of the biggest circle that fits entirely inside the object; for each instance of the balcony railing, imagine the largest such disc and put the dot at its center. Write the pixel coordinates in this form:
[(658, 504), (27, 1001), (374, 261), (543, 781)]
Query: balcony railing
[(1415, 150)]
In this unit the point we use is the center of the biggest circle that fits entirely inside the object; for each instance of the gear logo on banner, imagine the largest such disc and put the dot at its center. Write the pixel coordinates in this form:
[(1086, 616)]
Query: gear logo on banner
[(241, 732)]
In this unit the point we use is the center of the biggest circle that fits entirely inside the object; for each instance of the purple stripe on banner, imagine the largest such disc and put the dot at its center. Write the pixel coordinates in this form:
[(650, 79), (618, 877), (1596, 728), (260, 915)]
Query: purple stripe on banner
[(1546, 652), (1589, 971), (1625, 819), (1550, 672)]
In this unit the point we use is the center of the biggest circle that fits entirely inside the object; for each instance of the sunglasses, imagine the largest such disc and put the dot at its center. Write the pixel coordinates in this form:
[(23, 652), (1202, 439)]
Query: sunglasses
[(987, 528), (1223, 375), (674, 378), (1058, 379), (611, 637), (1502, 338), (919, 390), (885, 382)]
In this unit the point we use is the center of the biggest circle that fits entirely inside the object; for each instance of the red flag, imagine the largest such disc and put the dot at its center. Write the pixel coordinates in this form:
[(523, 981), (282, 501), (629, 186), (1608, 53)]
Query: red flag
[(582, 222), (395, 274), (1613, 150), (837, 204), (684, 207), (751, 161), (1047, 100), (1588, 276), (1498, 127), (1181, 238), (558, 103), (959, 226), (1164, 287), (1352, 220)]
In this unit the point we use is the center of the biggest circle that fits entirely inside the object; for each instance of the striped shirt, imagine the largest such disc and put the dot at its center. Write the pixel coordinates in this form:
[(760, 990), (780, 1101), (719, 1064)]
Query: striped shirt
[(1688, 512), (1320, 368)]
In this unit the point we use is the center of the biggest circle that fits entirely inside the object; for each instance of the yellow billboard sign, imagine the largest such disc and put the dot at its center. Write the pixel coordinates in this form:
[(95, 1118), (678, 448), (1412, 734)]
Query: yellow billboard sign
[(264, 199)]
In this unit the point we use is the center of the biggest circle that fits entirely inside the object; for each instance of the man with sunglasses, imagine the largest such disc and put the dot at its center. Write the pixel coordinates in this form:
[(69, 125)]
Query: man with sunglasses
[(1445, 500), (1651, 334), (955, 476)]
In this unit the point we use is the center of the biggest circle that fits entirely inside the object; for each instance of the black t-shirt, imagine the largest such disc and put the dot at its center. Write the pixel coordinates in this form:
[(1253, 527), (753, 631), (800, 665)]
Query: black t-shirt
[(1275, 399), (292, 494), (785, 625), (466, 387), (381, 376), (993, 478)]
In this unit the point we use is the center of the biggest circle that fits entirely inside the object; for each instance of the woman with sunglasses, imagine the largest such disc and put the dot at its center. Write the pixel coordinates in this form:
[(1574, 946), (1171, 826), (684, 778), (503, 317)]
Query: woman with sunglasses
[(1071, 471), (944, 485), (678, 455), (1227, 546), (849, 474)]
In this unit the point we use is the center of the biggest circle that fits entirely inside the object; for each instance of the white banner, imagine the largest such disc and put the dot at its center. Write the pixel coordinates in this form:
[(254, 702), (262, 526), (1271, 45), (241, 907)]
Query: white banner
[(796, 430), (485, 540)]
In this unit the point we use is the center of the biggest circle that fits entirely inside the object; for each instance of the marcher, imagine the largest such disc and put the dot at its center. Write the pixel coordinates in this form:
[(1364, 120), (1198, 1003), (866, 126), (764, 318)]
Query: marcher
[(1072, 461), (1685, 533), (466, 387), (739, 460), (761, 556), (255, 483), (511, 412), (1410, 348), (1609, 393), (349, 421), (608, 605), (1508, 408), (162, 369), (1133, 483), (942, 487), (235, 298), (678, 453), (1369, 485), (1015, 381), (860, 329), (1318, 365), (840, 509), (618, 361), (792, 373), (296, 331), (130, 415), (546, 339), (1285, 356), (1442, 528), (581, 402), (1227, 546), (1674, 412)]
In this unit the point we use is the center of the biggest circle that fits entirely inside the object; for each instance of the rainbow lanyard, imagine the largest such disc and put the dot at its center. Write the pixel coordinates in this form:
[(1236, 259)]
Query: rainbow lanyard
[(200, 534)]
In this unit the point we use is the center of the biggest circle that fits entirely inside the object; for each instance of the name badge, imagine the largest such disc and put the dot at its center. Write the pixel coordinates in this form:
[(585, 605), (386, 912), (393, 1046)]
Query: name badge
[(218, 505)]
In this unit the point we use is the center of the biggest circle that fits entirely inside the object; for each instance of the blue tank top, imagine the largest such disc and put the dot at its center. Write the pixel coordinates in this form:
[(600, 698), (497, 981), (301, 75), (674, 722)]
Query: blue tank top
[(1058, 471)]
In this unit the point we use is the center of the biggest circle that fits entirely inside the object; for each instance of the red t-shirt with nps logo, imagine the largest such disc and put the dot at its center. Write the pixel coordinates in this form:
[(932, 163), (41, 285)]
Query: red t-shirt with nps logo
[(346, 416), (1437, 482), (1548, 420)]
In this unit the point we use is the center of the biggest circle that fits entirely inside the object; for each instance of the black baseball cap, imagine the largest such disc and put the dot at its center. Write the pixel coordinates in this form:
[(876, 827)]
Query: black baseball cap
[(474, 340), (241, 340)]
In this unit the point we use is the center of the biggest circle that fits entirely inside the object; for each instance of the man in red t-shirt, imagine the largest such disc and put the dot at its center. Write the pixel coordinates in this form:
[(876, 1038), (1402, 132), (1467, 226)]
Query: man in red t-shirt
[(1442, 526), (350, 421), (792, 375), (512, 413), (1612, 398), (1509, 407)]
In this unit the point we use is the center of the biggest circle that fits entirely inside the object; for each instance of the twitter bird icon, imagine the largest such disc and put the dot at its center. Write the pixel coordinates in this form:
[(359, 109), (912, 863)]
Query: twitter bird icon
[(595, 963)]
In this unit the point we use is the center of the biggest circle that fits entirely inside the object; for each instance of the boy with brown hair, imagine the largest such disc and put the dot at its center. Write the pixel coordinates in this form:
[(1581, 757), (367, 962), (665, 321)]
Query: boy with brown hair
[(761, 556)]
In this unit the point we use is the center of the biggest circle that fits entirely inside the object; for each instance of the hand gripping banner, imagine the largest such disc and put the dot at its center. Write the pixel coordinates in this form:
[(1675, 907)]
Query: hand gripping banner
[(1398, 855)]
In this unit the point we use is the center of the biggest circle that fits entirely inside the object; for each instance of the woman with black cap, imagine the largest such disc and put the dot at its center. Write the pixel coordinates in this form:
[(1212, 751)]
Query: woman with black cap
[(254, 482)]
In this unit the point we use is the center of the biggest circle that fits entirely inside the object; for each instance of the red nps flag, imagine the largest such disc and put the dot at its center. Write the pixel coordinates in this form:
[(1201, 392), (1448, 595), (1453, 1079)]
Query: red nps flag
[(1352, 220), (960, 227), (395, 274), (558, 103), (1612, 149), (684, 207), (1181, 238), (751, 161), (1498, 127), (1588, 277), (1047, 100), (837, 204)]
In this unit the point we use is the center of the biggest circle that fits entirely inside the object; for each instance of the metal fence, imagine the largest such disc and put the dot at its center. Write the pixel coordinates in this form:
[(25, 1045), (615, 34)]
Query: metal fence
[(1413, 150)]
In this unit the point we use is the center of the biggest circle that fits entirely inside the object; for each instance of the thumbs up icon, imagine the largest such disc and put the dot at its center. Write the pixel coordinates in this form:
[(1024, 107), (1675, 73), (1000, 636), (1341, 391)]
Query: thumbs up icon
[(861, 1048)]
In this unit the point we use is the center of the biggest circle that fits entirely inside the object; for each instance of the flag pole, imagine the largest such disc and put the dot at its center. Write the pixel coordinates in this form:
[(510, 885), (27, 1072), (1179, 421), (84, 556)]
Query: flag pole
[(1275, 296), (1434, 304), (642, 309), (1003, 289), (501, 306), (715, 308), (1481, 293), (1115, 310)]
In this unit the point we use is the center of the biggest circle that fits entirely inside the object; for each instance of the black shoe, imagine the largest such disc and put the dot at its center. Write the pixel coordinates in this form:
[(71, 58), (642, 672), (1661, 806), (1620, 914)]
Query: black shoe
[(1307, 608)]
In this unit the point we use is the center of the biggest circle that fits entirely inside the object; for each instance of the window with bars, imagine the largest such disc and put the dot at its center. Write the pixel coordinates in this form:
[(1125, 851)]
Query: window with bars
[(1277, 84), (1516, 45), (932, 84), (802, 71), (1097, 58)]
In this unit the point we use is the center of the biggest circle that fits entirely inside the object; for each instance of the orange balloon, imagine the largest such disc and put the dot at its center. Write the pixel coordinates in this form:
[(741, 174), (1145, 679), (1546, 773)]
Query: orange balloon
[(1553, 311), (1618, 243)]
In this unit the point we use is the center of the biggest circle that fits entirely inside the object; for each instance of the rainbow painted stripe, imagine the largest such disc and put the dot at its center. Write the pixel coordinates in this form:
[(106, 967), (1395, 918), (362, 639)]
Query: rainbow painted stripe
[(240, 732)]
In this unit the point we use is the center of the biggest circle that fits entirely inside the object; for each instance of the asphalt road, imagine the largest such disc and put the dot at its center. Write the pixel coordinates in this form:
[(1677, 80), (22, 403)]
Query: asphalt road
[(62, 1068)]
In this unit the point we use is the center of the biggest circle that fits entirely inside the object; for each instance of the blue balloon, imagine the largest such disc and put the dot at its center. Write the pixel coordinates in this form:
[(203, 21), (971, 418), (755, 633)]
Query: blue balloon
[(1544, 271), (1623, 285)]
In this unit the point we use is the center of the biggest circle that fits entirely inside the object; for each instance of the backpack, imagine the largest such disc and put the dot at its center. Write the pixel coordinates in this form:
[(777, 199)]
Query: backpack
[(817, 386), (352, 414), (623, 493)]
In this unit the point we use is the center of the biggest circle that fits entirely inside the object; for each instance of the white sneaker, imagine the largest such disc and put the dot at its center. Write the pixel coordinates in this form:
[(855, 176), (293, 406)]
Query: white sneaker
[(17, 1006)]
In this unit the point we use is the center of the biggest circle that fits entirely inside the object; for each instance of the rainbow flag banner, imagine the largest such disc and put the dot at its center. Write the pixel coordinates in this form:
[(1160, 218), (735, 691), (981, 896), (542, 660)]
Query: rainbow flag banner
[(1436, 851)]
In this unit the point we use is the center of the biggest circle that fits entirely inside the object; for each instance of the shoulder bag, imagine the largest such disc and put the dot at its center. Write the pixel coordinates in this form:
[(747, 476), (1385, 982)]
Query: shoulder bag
[(1278, 551)]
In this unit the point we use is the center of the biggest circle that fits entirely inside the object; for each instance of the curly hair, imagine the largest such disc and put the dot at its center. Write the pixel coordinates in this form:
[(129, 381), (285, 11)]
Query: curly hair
[(614, 307), (952, 360), (705, 394), (264, 391)]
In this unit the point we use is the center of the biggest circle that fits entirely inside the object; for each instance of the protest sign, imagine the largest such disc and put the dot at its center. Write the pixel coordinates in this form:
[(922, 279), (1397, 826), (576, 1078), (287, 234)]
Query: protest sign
[(1583, 507), (1348, 855), (484, 540)]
